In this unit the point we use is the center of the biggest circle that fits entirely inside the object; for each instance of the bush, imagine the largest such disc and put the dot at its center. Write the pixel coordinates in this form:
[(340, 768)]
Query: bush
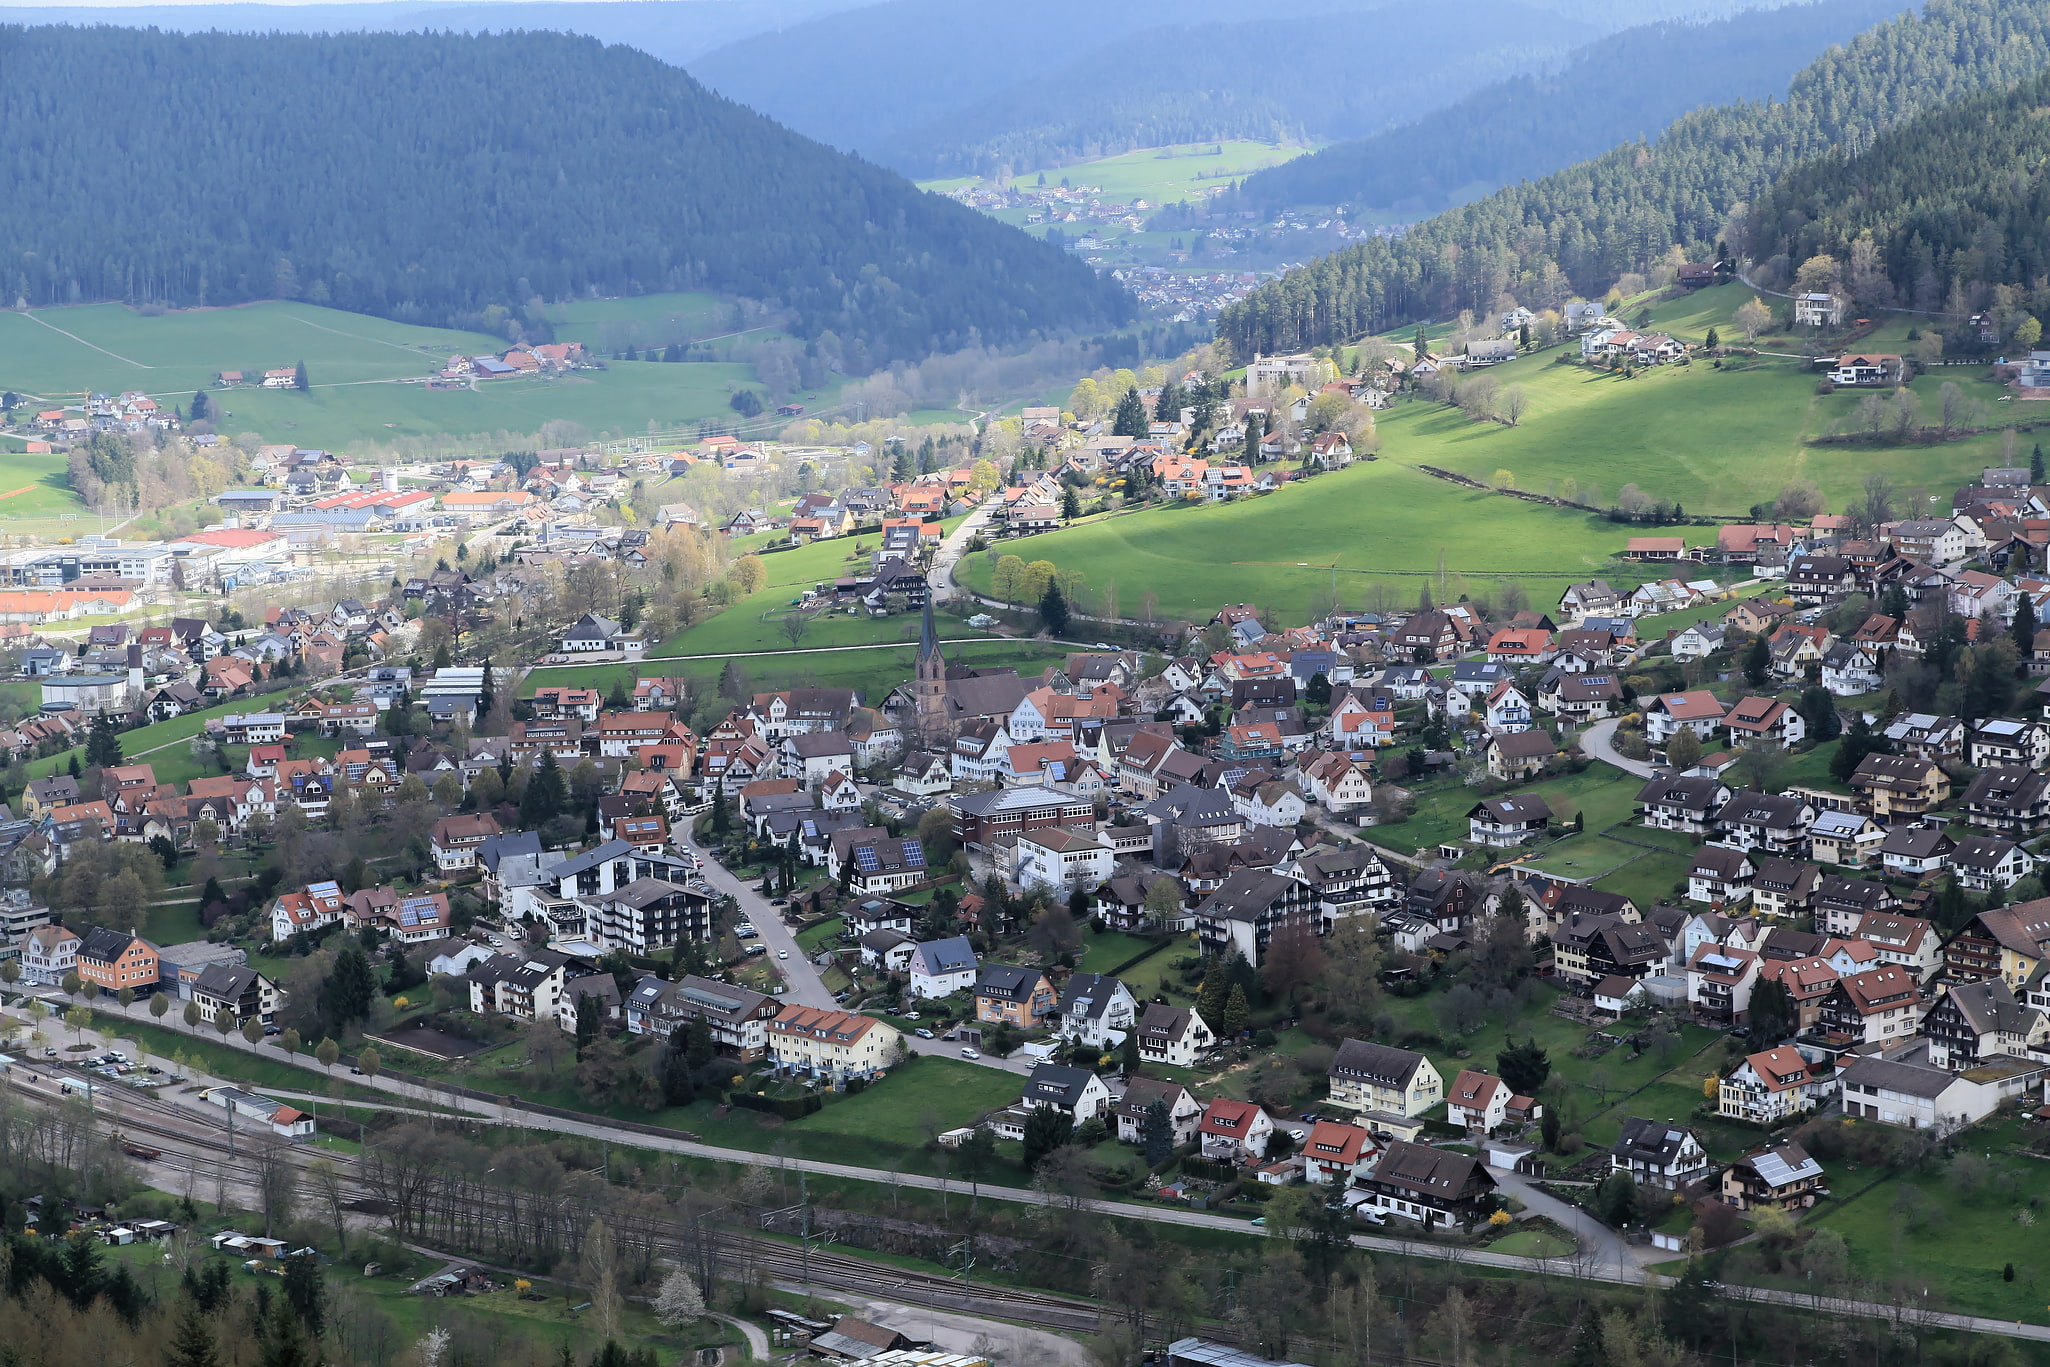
[(789, 1107)]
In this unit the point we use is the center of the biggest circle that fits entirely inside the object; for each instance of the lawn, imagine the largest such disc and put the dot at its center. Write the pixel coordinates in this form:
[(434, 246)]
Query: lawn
[(351, 361), (873, 673), (1958, 1244), (1603, 795)]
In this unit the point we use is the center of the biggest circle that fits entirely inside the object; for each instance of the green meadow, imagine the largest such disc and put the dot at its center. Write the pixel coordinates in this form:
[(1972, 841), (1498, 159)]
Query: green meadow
[(1160, 174), (352, 361), (1382, 524)]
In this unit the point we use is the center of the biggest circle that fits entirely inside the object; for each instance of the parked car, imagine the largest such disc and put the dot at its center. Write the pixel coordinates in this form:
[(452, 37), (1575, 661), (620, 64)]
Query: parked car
[(970, 1053), (923, 1033)]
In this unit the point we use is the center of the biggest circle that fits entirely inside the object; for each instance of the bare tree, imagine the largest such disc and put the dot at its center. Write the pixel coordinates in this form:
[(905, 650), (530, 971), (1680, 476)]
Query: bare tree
[(1515, 403), (794, 626)]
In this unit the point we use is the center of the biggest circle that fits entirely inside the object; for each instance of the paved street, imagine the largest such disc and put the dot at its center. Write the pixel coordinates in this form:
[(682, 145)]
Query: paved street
[(804, 985)]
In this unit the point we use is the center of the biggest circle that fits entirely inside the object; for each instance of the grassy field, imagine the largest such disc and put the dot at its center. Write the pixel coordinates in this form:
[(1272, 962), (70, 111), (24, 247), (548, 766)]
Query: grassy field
[(1381, 523), (873, 672), (1160, 174), (1717, 441), (59, 354)]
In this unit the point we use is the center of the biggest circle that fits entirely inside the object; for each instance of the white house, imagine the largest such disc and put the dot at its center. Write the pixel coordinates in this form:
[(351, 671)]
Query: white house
[(1174, 1035), (1095, 1011), (940, 968)]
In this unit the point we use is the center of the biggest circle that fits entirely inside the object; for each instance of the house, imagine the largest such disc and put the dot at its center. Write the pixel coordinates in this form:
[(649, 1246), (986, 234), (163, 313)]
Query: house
[(1922, 736), (940, 968), (1593, 598), (1478, 1101), (835, 1046), (117, 961), (1783, 888), (2005, 941), (1915, 852), (1848, 839), (1430, 1186), (1782, 1177), (1520, 755), (1234, 1131), (1768, 1088), (1719, 876), (1881, 1006), (1770, 823), (1008, 995), (2004, 741), (2011, 800), (1096, 1012), (591, 632), (1508, 821), (1063, 861), (1898, 787), (1766, 723), (240, 991), (455, 839), (1659, 1155), (1689, 805), (1985, 862), (1698, 710), (1141, 1093), (1334, 1153), (1919, 1096), (1696, 642), (1579, 697), (1973, 1023), (1386, 1087), (1720, 980), (737, 1018), (48, 954), (1075, 1092), (1850, 668), (1173, 1035)]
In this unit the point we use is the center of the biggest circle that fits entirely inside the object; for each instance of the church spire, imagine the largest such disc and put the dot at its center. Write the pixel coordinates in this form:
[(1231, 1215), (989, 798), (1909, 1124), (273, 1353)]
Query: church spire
[(928, 635)]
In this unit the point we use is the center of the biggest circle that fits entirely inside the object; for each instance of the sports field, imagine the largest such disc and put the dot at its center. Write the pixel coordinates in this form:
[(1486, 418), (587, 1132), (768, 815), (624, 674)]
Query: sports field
[(58, 355)]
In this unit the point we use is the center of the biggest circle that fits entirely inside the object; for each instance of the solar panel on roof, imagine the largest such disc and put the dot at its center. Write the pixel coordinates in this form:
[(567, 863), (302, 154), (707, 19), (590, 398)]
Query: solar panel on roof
[(914, 854), (865, 859)]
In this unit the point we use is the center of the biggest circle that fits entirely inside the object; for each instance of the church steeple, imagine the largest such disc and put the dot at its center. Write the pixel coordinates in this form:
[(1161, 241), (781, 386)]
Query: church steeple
[(930, 688), (929, 638)]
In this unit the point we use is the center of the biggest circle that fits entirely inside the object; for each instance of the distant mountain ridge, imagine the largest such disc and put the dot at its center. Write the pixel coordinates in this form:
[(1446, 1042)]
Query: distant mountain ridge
[(961, 87), (467, 180), (1579, 229), (1529, 125), (677, 31)]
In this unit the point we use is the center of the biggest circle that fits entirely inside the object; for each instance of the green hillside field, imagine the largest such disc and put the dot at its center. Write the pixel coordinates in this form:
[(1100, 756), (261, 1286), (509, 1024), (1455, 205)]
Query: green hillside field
[(1163, 175), (1718, 441), (56, 355)]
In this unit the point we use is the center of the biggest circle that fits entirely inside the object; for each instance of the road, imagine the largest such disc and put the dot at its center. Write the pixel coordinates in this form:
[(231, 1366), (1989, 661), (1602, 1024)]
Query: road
[(1599, 742), (942, 576), (1607, 1245), (802, 983)]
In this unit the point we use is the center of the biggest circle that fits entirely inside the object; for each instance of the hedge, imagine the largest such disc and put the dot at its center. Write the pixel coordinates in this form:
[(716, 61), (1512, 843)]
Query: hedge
[(789, 1107)]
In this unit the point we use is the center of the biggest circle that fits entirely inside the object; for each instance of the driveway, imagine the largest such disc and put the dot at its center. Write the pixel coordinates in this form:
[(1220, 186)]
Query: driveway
[(1599, 742), (802, 983), (1602, 1244)]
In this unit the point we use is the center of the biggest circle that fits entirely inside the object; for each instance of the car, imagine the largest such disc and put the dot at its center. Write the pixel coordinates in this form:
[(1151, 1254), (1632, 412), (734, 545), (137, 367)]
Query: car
[(1372, 1217), (970, 1053), (923, 1033), (753, 950), (912, 1016), (273, 1030), (1259, 1222), (782, 953), (357, 1071), (1102, 645), (745, 933)]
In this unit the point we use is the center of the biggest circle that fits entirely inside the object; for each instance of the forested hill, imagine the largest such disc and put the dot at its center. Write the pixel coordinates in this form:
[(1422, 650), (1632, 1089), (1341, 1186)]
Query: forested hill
[(1954, 199), (1636, 81), (446, 179), (957, 87), (1577, 230)]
